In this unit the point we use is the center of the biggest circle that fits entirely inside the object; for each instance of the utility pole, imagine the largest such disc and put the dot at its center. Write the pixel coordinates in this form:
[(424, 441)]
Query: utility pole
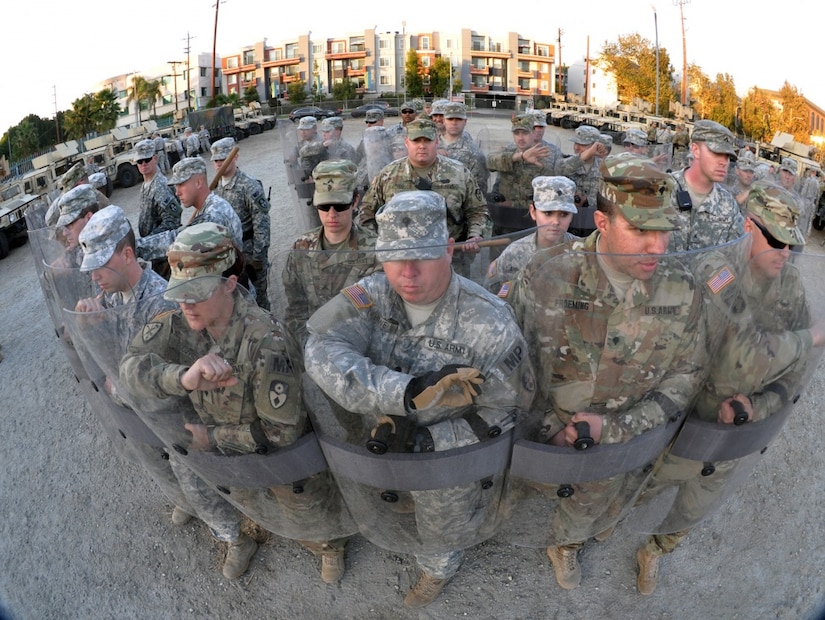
[(188, 73), (656, 27), (175, 75), (214, 47), (560, 79), (681, 4), (587, 74), (56, 117)]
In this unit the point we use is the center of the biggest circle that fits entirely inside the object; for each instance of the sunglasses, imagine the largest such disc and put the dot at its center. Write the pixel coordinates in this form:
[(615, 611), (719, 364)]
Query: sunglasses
[(144, 161), (338, 208), (775, 243), (407, 111)]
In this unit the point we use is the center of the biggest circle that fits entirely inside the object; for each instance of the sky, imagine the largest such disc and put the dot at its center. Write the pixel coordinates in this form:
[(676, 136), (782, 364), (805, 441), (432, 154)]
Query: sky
[(53, 57)]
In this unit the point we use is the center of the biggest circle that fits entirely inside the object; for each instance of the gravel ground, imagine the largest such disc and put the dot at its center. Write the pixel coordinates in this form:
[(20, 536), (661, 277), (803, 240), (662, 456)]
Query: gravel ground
[(83, 534)]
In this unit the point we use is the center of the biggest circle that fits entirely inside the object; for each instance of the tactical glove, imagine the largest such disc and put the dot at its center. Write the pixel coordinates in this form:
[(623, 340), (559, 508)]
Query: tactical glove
[(452, 386), (395, 433)]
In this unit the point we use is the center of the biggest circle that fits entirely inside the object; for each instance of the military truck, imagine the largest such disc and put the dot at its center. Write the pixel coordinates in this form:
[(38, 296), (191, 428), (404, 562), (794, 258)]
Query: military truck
[(220, 121), (258, 121), (13, 204)]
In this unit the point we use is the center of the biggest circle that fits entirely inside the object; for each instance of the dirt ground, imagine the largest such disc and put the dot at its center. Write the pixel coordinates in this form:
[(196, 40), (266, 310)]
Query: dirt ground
[(84, 534)]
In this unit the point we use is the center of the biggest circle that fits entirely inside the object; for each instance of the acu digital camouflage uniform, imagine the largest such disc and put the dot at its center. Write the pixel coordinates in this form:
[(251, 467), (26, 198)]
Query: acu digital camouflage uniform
[(637, 360), (261, 413), (464, 149), (163, 156), (159, 207), (246, 195), (191, 144), (311, 151), (586, 175), (363, 351), (337, 147)]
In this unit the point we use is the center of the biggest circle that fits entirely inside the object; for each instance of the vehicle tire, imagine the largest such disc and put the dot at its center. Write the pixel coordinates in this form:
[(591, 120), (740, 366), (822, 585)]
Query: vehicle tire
[(127, 175), (4, 245), (269, 125), (255, 129)]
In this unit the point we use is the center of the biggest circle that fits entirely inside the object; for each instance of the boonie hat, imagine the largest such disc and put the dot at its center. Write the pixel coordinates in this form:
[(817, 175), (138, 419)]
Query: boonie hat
[(422, 128), (640, 191), (554, 194), (185, 168), (585, 135), (197, 258), (718, 138), (144, 149), (412, 226), (74, 202), (221, 148), (335, 182), (778, 210), (100, 236)]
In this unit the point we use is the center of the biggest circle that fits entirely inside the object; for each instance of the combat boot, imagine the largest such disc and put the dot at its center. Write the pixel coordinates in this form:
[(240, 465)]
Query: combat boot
[(332, 565), (605, 534), (648, 570), (238, 556), (180, 516), (424, 592), (565, 563)]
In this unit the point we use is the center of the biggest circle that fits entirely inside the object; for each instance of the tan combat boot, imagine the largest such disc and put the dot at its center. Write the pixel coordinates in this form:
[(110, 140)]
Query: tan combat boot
[(424, 592), (238, 556), (648, 571), (565, 563), (180, 516), (332, 565)]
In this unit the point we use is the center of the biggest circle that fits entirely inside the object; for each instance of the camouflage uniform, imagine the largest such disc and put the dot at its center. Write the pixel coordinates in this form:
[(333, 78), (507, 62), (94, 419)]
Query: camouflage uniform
[(204, 139), (468, 153), (191, 144), (587, 177), (337, 148), (159, 207), (681, 141), (363, 351), (163, 156), (513, 259)]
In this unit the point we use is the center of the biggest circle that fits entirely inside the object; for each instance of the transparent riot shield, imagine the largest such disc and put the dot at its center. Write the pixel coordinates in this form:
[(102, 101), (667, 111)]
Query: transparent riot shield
[(493, 140), (762, 366), (616, 375), (298, 178), (426, 480), (249, 440), (378, 151), (662, 155)]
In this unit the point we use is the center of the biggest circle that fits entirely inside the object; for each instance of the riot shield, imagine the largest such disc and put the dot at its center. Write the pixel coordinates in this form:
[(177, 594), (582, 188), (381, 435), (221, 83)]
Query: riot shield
[(298, 179), (378, 152), (426, 499), (492, 140), (662, 156), (636, 359), (766, 356), (250, 440)]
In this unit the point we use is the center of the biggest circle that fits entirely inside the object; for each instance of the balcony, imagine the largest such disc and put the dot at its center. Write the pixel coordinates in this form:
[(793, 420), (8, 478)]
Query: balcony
[(330, 56), (282, 62), (479, 70), (479, 89)]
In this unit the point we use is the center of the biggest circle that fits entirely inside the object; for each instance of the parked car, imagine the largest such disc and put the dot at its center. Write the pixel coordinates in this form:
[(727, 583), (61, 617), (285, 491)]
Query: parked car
[(312, 110), (361, 110)]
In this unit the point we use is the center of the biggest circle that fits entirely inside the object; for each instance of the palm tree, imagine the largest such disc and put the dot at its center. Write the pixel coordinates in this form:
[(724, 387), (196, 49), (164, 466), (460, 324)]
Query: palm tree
[(107, 111), (151, 94), (137, 93), (80, 120)]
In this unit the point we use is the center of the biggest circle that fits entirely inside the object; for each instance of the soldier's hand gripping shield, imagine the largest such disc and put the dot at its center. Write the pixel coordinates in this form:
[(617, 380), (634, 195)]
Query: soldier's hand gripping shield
[(420, 477), (771, 344), (242, 426), (300, 180), (616, 372)]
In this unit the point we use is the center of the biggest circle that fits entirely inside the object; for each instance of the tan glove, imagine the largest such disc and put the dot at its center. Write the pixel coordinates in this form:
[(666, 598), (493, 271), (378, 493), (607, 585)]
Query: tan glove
[(452, 386)]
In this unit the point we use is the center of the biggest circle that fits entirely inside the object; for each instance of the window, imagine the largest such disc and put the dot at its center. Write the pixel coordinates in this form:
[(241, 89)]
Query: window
[(317, 48), (249, 76), (232, 63), (249, 57), (383, 44), (384, 80), (232, 80), (424, 43), (338, 47), (292, 50), (425, 61), (203, 91), (203, 71), (384, 62)]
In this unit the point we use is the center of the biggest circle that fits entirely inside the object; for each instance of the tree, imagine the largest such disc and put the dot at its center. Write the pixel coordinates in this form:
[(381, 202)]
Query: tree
[(137, 92), (793, 118), (250, 94), (717, 100), (233, 99), (343, 90), (440, 77), (297, 91), (108, 109), (412, 75), (759, 115), (81, 119), (152, 94)]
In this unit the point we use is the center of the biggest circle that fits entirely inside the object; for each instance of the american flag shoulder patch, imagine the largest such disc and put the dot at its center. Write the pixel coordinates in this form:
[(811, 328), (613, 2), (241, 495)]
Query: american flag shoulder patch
[(358, 296), (505, 290), (720, 280)]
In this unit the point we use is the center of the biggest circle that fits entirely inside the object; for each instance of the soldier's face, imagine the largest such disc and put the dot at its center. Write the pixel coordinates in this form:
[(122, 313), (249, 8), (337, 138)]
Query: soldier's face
[(766, 261), (230, 169), (438, 119), (712, 166), (421, 151), (213, 313), (148, 166), (641, 247), (786, 179), (745, 177), (307, 134), (523, 139), (109, 277), (335, 223), (73, 230), (187, 191), (455, 126), (420, 281), (552, 226), (538, 132)]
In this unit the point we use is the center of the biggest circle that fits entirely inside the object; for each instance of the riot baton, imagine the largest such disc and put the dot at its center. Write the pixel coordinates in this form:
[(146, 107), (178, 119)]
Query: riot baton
[(486, 243), (232, 155)]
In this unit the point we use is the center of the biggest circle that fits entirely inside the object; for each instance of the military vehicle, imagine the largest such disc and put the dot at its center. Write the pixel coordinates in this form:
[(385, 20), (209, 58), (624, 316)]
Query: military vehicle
[(220, 122), (13, 204)]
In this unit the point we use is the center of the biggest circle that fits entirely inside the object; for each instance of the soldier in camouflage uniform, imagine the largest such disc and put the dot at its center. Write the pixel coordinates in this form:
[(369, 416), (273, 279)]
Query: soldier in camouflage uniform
[(617, 342), (236, 364), (759, 362), (583, 168), (788, 177), (539, 129), (744, 176), (204, 139), (108, 244), (311, 150), (681, 144), (74, 209), (337, 148), (191, 187), (437, 114), (708, 213), (552, 209), (456, 143), (191, 144), (467, 215), (77, 175), (398, 344), (331, 257), (246, 195), (160, 151)]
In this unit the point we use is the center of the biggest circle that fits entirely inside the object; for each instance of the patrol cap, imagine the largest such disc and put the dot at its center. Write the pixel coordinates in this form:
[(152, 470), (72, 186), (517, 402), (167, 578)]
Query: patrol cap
[(373, 115), (778, 211), (197, 258), (412, 226), (73, 176), (455, 110), (790, 165), (221, 148), (522, 122), (307, 122), (585, 135), (145, 149), (98, 180), (438, 106), (554, 194), (606, 140), (336, 122), (74, 202), (539, 119), (100, 236), (409, 105), (639, 190), (718, 138), (746, 160), (335, 182), (53, 212), (635, 137), (422, 128), (186, 168)]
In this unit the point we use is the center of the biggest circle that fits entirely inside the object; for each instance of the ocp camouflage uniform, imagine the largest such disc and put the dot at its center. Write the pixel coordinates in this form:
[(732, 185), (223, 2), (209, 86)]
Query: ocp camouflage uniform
[(513, 259), (364, 357), (159, 207), (468, 153), (515, 178), (312, 276), (215, 209), (717, 220), (246, 195)]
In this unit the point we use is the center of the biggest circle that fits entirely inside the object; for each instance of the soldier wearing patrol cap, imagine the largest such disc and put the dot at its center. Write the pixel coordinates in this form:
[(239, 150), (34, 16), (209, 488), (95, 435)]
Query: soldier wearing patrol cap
[(758, 364), (192, 188), (310, 148), (744, 173), (333, 256), (708, 213), (374, 116), (635, 141), (552, 209), (408, 111), (331, 130), (788, 178), (237, 366), (583, 168), (400, 344), (437, 114), (247, 197), (191, 144), (458, 144), (77, 175), (606, 294), (160, 209), (75, 209)]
